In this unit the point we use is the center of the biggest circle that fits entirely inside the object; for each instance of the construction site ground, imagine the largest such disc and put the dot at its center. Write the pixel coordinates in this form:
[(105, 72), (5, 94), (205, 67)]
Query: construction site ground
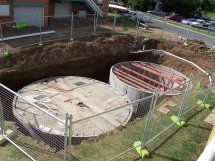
[(84, 57), (93, 57)]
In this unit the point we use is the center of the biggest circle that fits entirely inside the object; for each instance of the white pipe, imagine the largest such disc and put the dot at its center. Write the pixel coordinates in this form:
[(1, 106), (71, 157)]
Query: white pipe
[(209, 152), (188, 62), (27, 35), (141, 51)]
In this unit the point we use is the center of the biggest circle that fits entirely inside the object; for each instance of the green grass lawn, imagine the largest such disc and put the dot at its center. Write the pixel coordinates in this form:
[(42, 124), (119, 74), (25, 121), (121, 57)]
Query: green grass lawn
[(211, 15), (177, 143), (8, 152)]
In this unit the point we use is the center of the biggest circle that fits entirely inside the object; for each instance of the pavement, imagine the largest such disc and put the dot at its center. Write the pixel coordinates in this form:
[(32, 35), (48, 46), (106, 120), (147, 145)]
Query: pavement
[(183, 32)]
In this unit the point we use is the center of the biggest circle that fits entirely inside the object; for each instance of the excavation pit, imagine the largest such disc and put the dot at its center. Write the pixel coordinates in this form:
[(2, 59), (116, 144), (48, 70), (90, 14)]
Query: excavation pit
[(138, 79), (82, 97)]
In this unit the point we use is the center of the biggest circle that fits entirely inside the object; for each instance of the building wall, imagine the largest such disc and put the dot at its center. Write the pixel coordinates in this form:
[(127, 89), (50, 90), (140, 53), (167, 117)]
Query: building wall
[(49, 7), (6, 18)]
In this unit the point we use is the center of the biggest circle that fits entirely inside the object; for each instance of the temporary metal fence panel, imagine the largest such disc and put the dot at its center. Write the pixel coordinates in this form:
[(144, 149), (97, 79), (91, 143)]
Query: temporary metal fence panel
[(165, 113), (125, 25), (210, 99), (20, 34), (110, 138), (105, 24), (84, 25), (40, 135), (59, 26), (196, 97)]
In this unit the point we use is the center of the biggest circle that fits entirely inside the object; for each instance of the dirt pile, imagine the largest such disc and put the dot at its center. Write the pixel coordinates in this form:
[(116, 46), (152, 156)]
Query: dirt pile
[(94, 58), (59, 52), (202, 56)]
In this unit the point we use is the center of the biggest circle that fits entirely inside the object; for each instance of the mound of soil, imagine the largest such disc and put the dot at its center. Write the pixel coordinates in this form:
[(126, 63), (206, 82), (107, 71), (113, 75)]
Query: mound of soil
[(202, 56), (94, 58)]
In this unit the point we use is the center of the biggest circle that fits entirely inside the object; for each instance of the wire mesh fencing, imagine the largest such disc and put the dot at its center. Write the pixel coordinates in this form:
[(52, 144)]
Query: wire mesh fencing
[(109, 133), (115, 133), (105, 24), (37, 133), (20, 33), (39, 30), (196, 96), (56, 28), (84, 25), (105, 139)]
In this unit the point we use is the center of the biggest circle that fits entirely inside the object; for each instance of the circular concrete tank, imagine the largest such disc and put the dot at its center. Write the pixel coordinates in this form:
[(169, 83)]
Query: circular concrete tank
[(138, 79), (79, 96)]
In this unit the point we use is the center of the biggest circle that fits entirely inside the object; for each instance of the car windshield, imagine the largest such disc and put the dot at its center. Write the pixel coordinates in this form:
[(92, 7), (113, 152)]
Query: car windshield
[(191, 19), (199, 20)]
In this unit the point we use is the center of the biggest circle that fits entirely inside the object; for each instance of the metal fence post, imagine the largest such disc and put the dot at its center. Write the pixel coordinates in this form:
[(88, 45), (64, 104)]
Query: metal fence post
[(72, 24), (95, 22), (188, 33), (1, 118), (164, 24), (205, 99), (2, 43), (114, 22), (184, 100), (138, 24), (66, 138), (41, 23), (70, 137), (148, 121)]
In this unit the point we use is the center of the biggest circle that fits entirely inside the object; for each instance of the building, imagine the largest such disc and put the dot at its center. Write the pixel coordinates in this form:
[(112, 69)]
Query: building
[(14, 10)]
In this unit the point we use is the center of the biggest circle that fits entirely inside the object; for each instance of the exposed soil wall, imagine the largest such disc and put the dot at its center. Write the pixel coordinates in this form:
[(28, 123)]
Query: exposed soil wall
[(90, 59), (93, 58)]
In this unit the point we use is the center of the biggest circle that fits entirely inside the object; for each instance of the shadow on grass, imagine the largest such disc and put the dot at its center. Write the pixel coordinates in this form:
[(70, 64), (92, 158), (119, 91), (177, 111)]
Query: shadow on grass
[(153, 152), (166, 157), (199, 127)]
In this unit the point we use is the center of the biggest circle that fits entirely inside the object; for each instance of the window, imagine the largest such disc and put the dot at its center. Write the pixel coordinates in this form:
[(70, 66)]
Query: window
[(101, 3), (4, 10)]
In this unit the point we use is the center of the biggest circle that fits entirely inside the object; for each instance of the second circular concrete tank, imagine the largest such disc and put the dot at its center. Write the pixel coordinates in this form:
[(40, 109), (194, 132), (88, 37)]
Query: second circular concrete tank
[(138, 79)]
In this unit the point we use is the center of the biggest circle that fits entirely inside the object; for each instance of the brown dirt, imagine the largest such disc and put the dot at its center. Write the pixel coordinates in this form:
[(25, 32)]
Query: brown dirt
[(93, 58), (202, 56)]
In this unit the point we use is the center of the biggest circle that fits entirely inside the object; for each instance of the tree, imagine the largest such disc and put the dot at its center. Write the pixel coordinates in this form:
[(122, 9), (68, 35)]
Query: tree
[(184, 7), (208, 5), (142, 5)]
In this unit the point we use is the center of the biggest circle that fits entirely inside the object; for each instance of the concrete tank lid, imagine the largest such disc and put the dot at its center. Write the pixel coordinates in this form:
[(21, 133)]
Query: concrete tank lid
[(82, 97)]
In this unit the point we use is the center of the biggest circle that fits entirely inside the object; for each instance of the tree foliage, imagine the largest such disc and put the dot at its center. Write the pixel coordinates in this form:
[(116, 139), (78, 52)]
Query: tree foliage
[(184, 7)]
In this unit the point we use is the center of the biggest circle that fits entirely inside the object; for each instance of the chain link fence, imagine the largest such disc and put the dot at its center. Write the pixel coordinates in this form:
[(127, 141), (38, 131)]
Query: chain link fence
[(41, 135), (39, 30), (35, 131), (151, 117)]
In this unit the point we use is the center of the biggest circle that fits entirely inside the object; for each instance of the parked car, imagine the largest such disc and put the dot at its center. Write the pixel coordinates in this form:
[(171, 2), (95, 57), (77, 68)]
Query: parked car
[(188, 21), (157, 12), (199, 16), (141, 16), (199, 23), (212, 22), (174, 17)]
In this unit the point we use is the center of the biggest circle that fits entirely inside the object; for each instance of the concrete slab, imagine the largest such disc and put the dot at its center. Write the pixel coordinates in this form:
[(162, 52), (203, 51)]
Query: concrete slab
[(79, 96), (8, 133), (165, 108), (211, 118)]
